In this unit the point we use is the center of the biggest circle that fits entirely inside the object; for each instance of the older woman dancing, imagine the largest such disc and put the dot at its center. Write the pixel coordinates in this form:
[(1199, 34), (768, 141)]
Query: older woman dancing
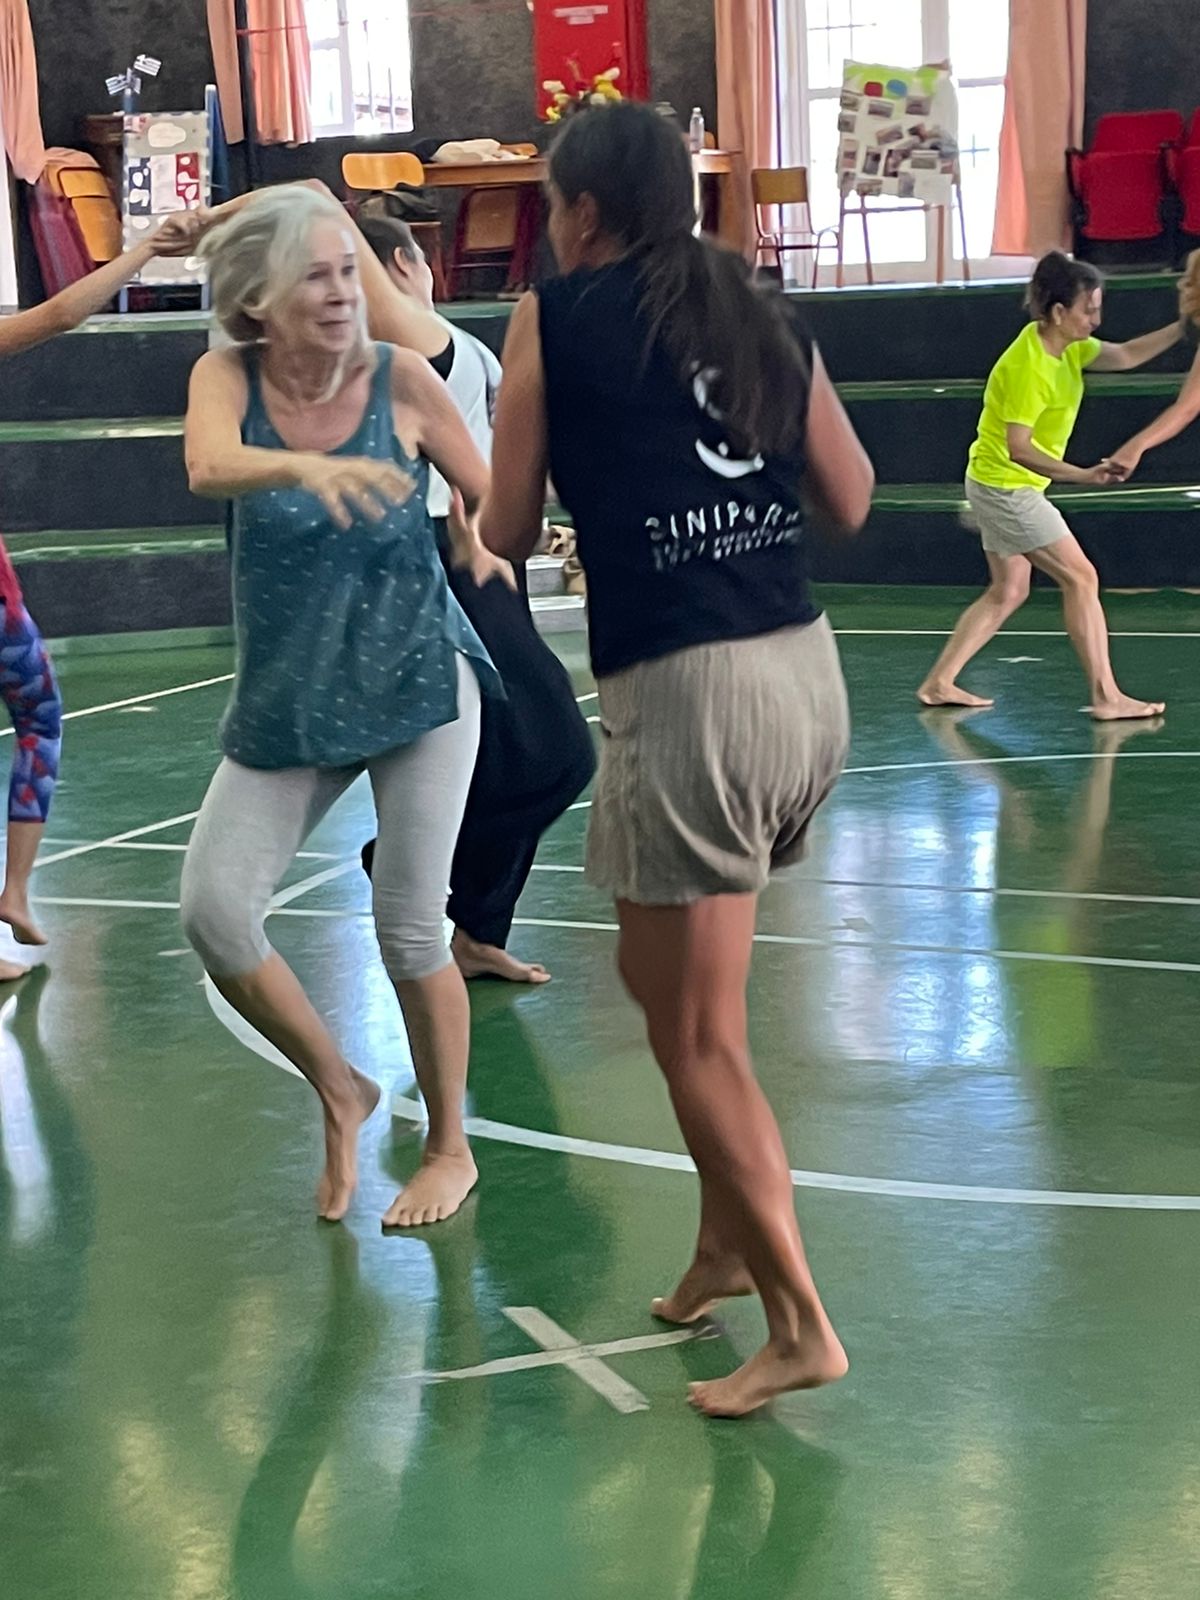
[(352, 657)]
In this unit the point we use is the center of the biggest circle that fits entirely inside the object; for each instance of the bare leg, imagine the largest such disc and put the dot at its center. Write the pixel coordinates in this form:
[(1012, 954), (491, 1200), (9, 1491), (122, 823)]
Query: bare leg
[(687, 968), (273, 1002), (437, 1014), (23, 841), (1083, 614), (717, 1271), (980, 622)]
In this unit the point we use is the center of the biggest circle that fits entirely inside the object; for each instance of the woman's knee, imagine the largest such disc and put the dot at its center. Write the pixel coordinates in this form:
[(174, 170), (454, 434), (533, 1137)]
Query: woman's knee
[(1080, 579), (412, 936), (1009, 594), (224, 928)]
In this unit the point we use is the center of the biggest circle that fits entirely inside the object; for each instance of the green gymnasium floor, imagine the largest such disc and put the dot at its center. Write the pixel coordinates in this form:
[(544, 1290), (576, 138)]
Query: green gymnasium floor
[(976, 1012)]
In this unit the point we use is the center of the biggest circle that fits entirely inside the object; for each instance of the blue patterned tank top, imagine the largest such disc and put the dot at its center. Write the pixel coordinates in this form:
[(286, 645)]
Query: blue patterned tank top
[(347, 639)]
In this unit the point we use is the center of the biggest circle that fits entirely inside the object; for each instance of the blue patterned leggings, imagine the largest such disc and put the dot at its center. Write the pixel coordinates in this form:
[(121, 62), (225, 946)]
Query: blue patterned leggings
[(31, 694)]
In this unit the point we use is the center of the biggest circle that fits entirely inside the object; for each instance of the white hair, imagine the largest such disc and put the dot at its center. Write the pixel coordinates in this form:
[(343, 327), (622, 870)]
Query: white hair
[(258, 259)]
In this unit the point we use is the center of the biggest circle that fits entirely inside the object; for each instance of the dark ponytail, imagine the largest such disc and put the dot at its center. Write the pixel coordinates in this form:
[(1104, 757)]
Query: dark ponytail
[(1059, 281), (699, 301)]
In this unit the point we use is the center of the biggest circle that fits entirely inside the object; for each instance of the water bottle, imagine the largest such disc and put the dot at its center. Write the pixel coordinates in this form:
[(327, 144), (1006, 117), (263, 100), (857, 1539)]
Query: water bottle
[(696, 132)]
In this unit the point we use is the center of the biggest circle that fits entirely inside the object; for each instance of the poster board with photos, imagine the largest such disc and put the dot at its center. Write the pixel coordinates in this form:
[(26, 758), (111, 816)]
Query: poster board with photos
[(898, 130), (167, 169)]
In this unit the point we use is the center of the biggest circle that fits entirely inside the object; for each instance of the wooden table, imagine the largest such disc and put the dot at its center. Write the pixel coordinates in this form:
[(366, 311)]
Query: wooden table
[(715, 164)]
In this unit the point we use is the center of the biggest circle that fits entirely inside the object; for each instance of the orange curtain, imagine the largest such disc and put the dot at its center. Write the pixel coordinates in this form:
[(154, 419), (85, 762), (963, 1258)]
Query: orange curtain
[(282, 74), (278, 35), (222, 35), (746, 98), (1043, 118), (19, 92)]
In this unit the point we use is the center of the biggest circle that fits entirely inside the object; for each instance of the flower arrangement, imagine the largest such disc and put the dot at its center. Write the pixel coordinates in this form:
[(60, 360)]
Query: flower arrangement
[(566, 101)]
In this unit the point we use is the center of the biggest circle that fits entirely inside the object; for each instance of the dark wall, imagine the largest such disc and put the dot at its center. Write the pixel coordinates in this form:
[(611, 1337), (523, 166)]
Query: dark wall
[(472, 68), (1142, 55), (80, 43)]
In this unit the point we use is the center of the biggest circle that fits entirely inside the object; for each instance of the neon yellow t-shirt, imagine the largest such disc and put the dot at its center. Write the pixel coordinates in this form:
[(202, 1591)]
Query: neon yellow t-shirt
[(1030, 387)]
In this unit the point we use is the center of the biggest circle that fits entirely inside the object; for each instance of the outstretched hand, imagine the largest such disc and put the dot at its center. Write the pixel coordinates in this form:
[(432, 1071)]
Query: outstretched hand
[(1124, 462), (178, 235), (470, 553), (1106, 473)]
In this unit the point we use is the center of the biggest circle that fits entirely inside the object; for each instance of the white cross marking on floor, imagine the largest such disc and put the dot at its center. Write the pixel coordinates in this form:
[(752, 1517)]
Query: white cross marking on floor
[(560, 1348)]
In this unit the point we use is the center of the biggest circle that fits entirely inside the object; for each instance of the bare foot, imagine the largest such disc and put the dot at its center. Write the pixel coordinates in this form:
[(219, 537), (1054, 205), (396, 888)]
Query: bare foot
[(441, 1184), (1125, 709), (477, 960), (816, 1360), (949, 694), (703, 1286), (20, 919), (338, 1181), (10, 971)]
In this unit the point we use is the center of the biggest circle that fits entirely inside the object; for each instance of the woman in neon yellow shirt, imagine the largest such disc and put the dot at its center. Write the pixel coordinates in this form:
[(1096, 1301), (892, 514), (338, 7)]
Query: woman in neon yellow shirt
[(1029, 409)]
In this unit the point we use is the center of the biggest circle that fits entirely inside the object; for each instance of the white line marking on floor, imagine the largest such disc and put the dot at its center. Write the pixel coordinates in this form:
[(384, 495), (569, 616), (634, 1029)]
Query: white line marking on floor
[(139, 699), (795, 941), (408, 1110), (840, 1183), (999, 761), (1008, 633), (804, 942), (602, 1380), (295, 890), (557, 1357), (990, 889), (85, 901), (582, 699), (141, 844), (116, 838), (539, 867)]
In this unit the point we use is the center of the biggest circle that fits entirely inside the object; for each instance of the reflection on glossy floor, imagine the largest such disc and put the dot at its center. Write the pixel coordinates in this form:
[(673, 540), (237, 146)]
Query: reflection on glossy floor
[(983, 985)]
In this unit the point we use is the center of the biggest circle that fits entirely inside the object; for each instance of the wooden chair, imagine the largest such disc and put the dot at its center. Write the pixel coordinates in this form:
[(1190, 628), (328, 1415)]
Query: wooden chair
[(377, 172), (497, 227), (777, 188)]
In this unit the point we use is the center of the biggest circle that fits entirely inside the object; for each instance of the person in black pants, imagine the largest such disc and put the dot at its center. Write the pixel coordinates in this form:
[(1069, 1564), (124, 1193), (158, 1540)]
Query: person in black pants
[(535, 751)]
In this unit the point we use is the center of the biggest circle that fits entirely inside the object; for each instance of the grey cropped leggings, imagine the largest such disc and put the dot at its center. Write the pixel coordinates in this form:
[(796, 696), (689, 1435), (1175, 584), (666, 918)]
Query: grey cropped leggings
[(253, 822)]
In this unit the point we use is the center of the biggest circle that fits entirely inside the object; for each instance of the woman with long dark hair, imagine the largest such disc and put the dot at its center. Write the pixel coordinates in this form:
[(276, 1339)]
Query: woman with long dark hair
[(685, 423)]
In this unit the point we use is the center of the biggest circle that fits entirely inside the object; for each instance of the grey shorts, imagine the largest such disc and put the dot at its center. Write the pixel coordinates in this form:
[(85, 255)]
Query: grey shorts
[(713, 763), (1012, 522)]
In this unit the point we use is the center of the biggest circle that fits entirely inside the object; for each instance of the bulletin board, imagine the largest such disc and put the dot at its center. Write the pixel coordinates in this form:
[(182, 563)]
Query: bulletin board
[(898, 132), (167, 170)]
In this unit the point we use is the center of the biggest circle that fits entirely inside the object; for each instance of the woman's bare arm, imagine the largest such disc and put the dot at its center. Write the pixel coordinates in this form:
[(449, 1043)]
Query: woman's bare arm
[(840, 476), (78, 301), (1180, 414), (511, 520)]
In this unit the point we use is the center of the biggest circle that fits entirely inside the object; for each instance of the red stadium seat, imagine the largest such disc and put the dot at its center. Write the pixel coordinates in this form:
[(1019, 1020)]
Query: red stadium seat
[(1184, 169), (1120, 183)]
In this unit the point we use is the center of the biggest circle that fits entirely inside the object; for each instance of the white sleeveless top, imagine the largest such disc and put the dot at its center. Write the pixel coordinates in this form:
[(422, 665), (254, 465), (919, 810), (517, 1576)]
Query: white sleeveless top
[(473, 382)]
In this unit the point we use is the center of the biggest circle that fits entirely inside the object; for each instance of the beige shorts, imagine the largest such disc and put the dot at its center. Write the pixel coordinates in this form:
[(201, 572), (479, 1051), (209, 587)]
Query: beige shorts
[(1012, 522), (714, 761)]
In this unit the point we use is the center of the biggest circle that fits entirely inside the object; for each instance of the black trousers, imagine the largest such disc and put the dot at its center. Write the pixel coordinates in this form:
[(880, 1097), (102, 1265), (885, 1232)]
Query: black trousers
[(535, 758)]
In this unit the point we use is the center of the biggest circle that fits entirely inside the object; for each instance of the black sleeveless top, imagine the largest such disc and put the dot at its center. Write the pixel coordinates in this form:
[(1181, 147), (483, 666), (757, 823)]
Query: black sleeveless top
[(682, 543)]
